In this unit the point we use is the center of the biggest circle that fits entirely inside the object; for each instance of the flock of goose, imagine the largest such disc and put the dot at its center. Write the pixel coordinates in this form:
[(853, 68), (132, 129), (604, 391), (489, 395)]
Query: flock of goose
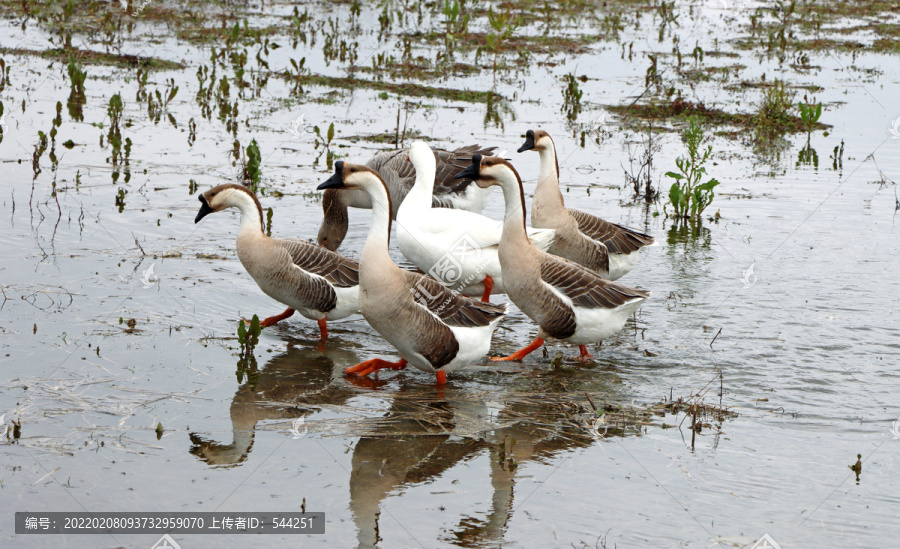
[(559, 272)]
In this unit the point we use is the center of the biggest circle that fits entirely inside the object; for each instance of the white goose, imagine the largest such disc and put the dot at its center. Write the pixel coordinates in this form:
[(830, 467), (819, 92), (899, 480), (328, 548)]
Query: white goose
[(568, 301), (433, 328), (398, 174), (456, 247), (319, 284), (610, 250)]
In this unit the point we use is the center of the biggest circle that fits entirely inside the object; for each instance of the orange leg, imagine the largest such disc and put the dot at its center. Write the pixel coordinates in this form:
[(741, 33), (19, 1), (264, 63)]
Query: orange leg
[(521, 353), (323, 327), (373, 365), (441, 377), (585, 354), (488, 286), (266, 322)]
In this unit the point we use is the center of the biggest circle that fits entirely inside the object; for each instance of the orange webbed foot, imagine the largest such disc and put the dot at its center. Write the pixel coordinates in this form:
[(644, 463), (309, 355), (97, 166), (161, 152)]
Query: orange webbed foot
[(521, 353), (373, 365)]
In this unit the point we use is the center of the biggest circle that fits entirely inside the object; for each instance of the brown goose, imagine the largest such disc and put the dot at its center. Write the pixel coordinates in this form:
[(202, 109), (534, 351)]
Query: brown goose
[(606, 248), (399, 175), (568, 301), (320, 284), (433, 328)]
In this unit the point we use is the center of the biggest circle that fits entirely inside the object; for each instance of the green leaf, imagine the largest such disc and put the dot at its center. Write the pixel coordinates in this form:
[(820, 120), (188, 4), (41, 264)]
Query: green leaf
[(331, 132), (708, 186), (674, 175)]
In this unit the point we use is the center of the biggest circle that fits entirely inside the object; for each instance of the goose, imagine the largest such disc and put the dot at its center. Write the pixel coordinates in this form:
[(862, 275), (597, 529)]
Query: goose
[(433, 328), (399, 176), (567, 301), (456, 247), (319, 284), (606, 248)]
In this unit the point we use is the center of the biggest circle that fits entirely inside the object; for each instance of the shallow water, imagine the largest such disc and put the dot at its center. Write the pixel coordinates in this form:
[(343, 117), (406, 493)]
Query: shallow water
[(806, 341)]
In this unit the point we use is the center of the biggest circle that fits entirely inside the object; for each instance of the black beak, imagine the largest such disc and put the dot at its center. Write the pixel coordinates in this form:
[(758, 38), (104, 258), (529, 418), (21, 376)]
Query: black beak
[(205, 210), (336, 181), (529, 141), (472, 171)]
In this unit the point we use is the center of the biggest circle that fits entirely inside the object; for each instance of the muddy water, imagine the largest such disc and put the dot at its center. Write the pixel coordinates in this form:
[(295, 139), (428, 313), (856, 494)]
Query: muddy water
[(791, 296)]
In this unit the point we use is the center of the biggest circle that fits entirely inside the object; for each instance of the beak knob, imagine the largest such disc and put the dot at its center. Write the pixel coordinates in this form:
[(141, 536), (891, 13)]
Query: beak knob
[(529, 142), (336, 181), (205, 210), (472, 171)]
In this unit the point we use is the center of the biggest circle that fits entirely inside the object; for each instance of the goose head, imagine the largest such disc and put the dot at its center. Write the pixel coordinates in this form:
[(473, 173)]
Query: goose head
[(355, 176), (487, 171), (536, 140), (229, 195), (422, 158)]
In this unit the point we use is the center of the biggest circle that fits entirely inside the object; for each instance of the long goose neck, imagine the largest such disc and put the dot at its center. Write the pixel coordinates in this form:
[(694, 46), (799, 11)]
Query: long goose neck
[(514, 219), (334, 209), (251, 212), (419, 196), (547, 194), (376, 246)]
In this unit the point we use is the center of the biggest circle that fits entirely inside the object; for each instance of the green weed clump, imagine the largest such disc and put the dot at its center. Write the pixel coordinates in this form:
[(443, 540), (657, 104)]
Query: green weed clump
[(774, 114), (689, 194)]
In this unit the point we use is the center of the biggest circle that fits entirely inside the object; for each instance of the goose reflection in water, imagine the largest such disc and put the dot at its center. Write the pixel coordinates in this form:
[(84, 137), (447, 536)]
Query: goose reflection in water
[(288, 387), (425, 433), (429, 437)]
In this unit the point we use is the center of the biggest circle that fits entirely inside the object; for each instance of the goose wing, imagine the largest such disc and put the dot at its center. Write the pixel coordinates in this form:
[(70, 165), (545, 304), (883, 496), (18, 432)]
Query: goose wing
[(616, 238), (452, 308), (585, 288), (333, 267)]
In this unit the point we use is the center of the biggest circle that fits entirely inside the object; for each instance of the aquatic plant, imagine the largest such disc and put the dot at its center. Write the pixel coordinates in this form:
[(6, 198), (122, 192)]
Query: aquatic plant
[(504, 26), (572, 95), (248, 337), (252, 172), (456, 24), (114, 136), (809, 115), (689, 195), (773, 116), (324, 142), (76, 100), (639, 175)]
